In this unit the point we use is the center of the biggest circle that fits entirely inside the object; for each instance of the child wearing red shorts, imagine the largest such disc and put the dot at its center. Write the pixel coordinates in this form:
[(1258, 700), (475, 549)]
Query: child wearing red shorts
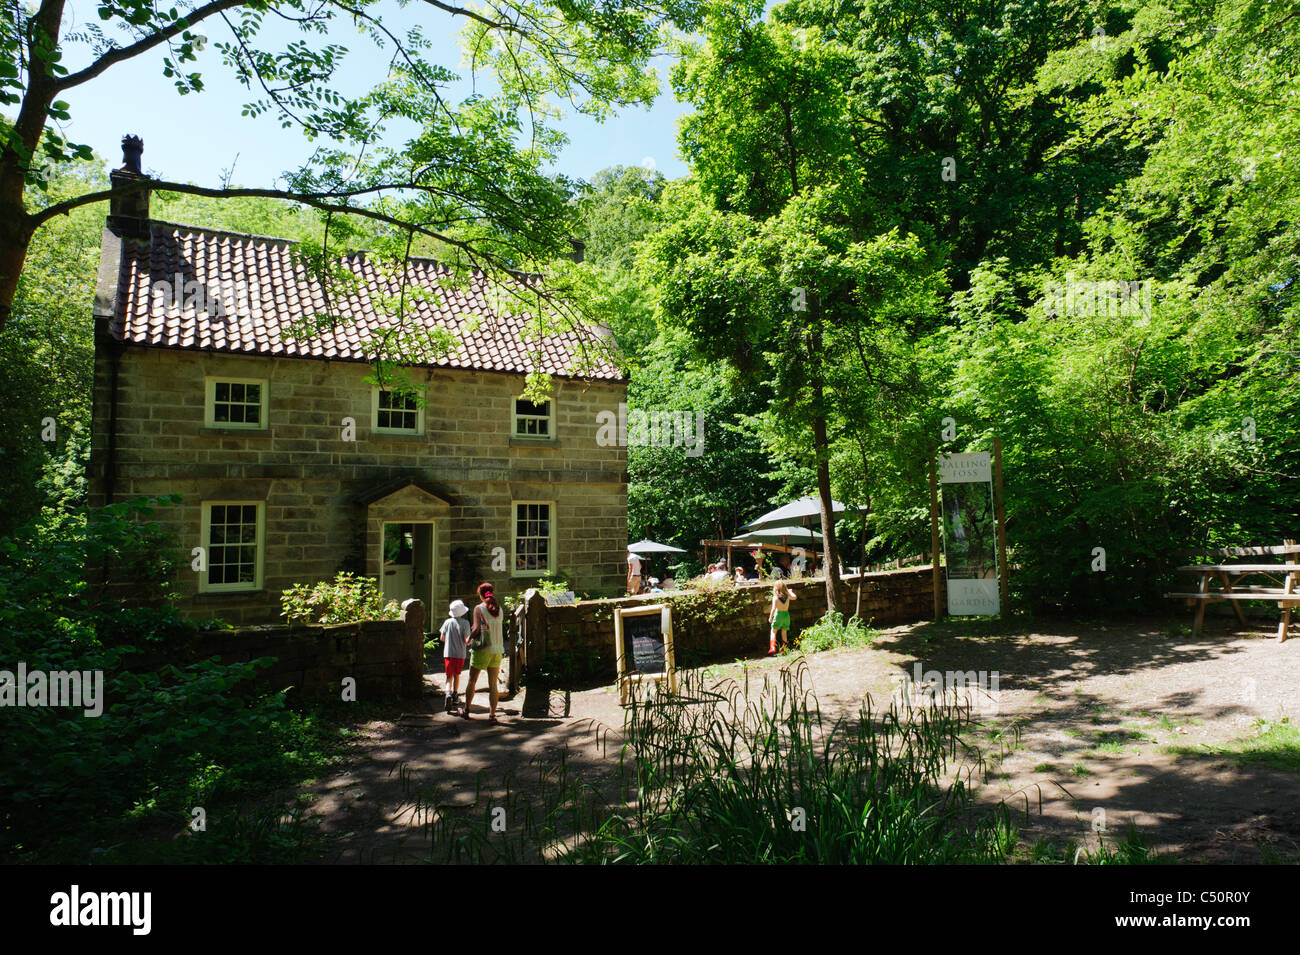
[(455, 650)]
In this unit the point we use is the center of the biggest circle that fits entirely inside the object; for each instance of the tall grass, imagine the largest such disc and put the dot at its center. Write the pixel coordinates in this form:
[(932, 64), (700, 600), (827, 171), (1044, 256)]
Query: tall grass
[(744, 774)]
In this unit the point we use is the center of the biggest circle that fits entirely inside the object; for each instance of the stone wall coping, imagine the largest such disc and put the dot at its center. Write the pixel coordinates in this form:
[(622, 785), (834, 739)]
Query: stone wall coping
[(747, 585)]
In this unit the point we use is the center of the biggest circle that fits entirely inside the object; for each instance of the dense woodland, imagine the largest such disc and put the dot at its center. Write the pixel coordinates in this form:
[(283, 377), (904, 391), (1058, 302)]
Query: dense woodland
[(881, 217), (897, 212)]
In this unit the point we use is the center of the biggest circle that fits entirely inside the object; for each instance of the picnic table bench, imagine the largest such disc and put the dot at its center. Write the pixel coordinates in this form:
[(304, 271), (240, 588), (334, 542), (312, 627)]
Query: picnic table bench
[(1283, 584)]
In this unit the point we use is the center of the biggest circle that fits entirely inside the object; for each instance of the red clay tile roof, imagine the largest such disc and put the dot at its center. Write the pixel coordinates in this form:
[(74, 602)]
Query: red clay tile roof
[(275, 292)]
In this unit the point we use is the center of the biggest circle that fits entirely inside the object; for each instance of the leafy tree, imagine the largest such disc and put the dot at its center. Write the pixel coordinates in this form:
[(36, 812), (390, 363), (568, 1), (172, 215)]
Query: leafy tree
[(462, 180), (277, 218), (1174, 427), (673, 497), (766, 262), (616, 211), (48, 354), (679, 499), (951, 137)]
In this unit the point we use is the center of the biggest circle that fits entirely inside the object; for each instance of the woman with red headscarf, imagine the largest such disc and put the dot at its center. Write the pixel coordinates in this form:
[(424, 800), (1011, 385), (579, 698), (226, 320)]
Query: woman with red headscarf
[(486, 648)]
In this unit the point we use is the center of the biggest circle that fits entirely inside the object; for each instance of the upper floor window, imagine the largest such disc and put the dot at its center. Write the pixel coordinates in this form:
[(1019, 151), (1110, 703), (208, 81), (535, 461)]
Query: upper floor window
[(534, 419), (235, 403), (397, 412)]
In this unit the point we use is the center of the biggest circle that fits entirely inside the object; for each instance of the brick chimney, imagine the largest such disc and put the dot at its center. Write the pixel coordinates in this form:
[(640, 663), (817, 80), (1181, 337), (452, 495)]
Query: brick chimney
[(128, 212)]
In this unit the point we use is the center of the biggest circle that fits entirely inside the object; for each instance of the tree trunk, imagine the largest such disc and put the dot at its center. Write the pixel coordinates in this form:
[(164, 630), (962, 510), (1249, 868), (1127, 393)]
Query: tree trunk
[(821, 447), (15, 237), (20, 150), (822, 450)]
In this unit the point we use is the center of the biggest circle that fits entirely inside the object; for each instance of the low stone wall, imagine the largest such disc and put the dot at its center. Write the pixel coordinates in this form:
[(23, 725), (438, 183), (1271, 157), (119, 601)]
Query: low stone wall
[(725, 622), (385, 657)]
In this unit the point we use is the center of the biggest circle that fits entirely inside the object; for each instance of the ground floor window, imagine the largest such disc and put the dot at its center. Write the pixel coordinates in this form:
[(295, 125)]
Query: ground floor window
[(534, 537), (233, 537)]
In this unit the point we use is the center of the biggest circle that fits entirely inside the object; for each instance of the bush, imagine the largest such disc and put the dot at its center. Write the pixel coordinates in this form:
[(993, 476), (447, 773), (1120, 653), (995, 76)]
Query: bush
[(347, 599), (832, 631), (549, 588), (169, 738)]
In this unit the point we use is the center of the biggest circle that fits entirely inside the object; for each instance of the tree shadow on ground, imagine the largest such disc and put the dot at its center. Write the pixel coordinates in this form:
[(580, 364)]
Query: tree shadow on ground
[(1090, 699)]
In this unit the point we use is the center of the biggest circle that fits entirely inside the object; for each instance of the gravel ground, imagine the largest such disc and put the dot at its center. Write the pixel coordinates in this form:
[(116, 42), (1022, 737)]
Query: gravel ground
[(1078, 736)]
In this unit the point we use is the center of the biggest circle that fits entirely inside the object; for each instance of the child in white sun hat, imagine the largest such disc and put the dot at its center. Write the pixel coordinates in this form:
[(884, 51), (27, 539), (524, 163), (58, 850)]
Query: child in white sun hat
[(455, 650)]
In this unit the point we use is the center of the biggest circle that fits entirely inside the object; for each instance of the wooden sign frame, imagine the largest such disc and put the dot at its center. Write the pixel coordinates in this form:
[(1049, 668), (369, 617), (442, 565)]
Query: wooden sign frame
[(974, 470), (626, 677)]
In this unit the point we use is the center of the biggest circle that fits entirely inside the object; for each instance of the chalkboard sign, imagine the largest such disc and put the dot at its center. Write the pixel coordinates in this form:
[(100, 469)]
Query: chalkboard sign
[(643, 643)]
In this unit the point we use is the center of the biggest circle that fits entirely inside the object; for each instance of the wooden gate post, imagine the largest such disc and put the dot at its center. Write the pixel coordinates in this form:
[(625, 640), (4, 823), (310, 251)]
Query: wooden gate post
[(1285, 623), (515, 627), (534, 623)]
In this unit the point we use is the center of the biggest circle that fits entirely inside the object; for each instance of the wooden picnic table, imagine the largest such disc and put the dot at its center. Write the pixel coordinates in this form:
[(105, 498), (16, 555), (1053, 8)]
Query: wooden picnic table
[(1284, 577)]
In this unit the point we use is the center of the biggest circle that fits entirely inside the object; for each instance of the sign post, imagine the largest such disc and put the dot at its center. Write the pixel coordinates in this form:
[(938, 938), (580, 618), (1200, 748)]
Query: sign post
[(643, 645), (934, 542), (1003, 573), (970, 530)]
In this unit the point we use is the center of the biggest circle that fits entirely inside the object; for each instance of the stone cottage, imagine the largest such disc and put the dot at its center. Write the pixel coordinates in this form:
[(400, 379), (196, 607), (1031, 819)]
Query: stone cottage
[(291, 465)]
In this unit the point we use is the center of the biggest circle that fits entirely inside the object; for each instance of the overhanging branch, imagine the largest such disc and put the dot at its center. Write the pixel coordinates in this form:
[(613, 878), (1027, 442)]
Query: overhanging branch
[(145, 44), (325, 201)]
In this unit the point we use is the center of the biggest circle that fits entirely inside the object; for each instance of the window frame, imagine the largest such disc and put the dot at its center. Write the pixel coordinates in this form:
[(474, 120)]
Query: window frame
[(210, 383), (418, 430), (515, 417), (259, 559), (515, 570)]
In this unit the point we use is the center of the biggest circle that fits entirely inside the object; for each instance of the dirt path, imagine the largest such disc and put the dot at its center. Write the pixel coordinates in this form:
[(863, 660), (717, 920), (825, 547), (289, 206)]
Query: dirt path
[(1086, 716), (1083, 722)]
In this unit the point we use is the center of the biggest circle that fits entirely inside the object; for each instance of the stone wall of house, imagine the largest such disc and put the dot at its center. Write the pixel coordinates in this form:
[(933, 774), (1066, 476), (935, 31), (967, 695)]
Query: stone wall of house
[(384, 657), (311, 481), (888, 598)]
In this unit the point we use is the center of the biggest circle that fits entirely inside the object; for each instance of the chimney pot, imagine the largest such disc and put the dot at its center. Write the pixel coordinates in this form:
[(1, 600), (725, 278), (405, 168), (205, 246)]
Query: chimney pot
[(128, 209), (132, 147)]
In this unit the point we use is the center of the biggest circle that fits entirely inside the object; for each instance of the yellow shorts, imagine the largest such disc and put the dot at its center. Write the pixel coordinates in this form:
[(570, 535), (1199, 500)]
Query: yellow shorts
[(479, 660)]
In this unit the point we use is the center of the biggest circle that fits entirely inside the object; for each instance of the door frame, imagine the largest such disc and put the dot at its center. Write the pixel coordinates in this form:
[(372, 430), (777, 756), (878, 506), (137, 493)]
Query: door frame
[(427, 597)]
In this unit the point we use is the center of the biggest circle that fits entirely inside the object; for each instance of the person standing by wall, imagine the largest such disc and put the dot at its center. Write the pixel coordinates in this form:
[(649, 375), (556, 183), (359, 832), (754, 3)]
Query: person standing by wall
[(779, 616), (487, 646), (633, 574)]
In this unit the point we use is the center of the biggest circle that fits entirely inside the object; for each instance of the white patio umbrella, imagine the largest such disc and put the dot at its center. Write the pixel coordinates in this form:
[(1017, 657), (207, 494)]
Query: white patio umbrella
[(796, 512), (780, 535), (650, 547)]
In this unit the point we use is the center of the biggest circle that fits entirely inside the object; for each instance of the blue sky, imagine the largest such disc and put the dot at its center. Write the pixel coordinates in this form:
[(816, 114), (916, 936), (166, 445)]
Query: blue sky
[(195, 137)]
